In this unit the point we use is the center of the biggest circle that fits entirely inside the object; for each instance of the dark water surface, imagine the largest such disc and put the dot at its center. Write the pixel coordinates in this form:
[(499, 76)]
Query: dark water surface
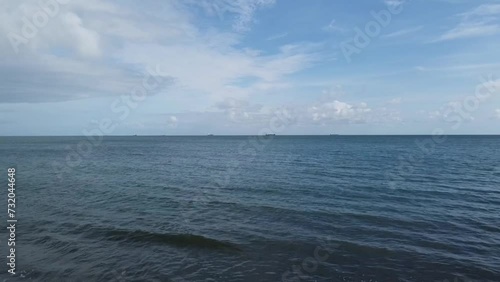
[(317, 208)]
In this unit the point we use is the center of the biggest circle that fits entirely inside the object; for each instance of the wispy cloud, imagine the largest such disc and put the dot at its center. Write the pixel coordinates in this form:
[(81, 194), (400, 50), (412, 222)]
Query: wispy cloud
[(453, 70), (394, 3), (469, 30), (185, 52), (395, 101), (338, 111), (480, 21), (483, 10), (403, 32), (333, 27), (233, 61), (243, 11), (277, 36)]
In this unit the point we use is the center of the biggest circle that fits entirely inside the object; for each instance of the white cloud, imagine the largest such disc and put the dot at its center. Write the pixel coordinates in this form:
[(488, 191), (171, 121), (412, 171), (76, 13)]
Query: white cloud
[(277, 36), (484, 10), (468, 30), (172, 121), (333, 27), (338, 111), (242, 10), (254, 117), (475, 23), (403, 32), (62, 59), (394, 3), (46, 25), (395, 101), (239, 110), (86, 41), (82, 33), (497, 113), (488, 68), (193, 64), (450, 111)]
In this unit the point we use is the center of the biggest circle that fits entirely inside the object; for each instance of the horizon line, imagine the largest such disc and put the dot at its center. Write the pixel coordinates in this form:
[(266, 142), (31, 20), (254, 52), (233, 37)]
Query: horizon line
[(251, 135)]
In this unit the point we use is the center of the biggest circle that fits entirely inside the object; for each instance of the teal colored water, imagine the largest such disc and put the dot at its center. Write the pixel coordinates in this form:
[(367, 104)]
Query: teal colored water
[(279, 208)]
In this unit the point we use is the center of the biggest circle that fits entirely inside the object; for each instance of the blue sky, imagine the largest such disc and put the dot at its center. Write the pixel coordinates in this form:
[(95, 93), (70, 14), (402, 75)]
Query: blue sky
[(232, 67)]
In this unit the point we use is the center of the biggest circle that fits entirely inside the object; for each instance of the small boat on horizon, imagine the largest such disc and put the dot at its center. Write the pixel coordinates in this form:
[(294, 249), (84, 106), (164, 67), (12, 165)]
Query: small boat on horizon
[(270, 134)]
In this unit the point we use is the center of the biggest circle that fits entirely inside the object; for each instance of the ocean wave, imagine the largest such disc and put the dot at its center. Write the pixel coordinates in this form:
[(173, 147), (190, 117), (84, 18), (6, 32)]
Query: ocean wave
[(179, 240)]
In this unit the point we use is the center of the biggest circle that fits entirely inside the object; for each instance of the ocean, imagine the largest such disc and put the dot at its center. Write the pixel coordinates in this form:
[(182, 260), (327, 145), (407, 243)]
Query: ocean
[(253, 208)]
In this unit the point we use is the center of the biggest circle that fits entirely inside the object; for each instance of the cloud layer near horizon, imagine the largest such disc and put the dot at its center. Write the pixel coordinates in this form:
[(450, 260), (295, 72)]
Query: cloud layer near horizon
[(230, 65)]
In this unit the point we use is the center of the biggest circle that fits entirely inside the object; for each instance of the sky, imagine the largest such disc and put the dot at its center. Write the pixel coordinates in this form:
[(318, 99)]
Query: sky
[(197, 67)]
